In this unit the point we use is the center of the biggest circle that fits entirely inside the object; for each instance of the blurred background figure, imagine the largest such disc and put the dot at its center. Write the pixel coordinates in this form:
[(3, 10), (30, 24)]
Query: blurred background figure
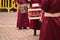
[(34, 23), (22, 19)]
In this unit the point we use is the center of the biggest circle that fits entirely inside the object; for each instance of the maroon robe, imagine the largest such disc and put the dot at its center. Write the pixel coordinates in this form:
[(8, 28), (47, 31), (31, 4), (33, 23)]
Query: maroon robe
[(34, 24), (22, 19), (50, 29)]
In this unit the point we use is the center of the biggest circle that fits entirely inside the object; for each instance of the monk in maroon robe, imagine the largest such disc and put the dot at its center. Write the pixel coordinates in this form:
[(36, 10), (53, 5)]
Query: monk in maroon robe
[(22, 19), (34, 23), (50, 29)]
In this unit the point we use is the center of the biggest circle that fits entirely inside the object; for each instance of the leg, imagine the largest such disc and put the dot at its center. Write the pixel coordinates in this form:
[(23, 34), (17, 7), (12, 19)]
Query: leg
[(24, 27), (34, 32), (20, 28)]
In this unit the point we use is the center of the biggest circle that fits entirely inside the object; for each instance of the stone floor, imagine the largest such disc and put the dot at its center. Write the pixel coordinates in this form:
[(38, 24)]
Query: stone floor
[(8, 30)]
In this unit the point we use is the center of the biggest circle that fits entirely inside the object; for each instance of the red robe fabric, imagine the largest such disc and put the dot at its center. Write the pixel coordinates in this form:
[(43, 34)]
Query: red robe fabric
[(34, 24), (35, 1), (22, 18), (50, 29)]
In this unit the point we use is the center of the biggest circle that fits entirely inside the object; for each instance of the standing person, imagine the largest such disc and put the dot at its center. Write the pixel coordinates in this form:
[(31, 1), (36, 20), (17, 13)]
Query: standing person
[(22, 19), (50, 29), (34, 23)]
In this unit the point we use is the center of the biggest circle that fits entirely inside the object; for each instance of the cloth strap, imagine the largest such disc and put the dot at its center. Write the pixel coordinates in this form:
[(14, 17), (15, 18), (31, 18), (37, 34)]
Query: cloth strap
[(52, 14)]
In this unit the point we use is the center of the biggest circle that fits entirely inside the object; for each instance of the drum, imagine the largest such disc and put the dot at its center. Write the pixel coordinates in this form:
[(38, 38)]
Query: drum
[(34, 13)]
